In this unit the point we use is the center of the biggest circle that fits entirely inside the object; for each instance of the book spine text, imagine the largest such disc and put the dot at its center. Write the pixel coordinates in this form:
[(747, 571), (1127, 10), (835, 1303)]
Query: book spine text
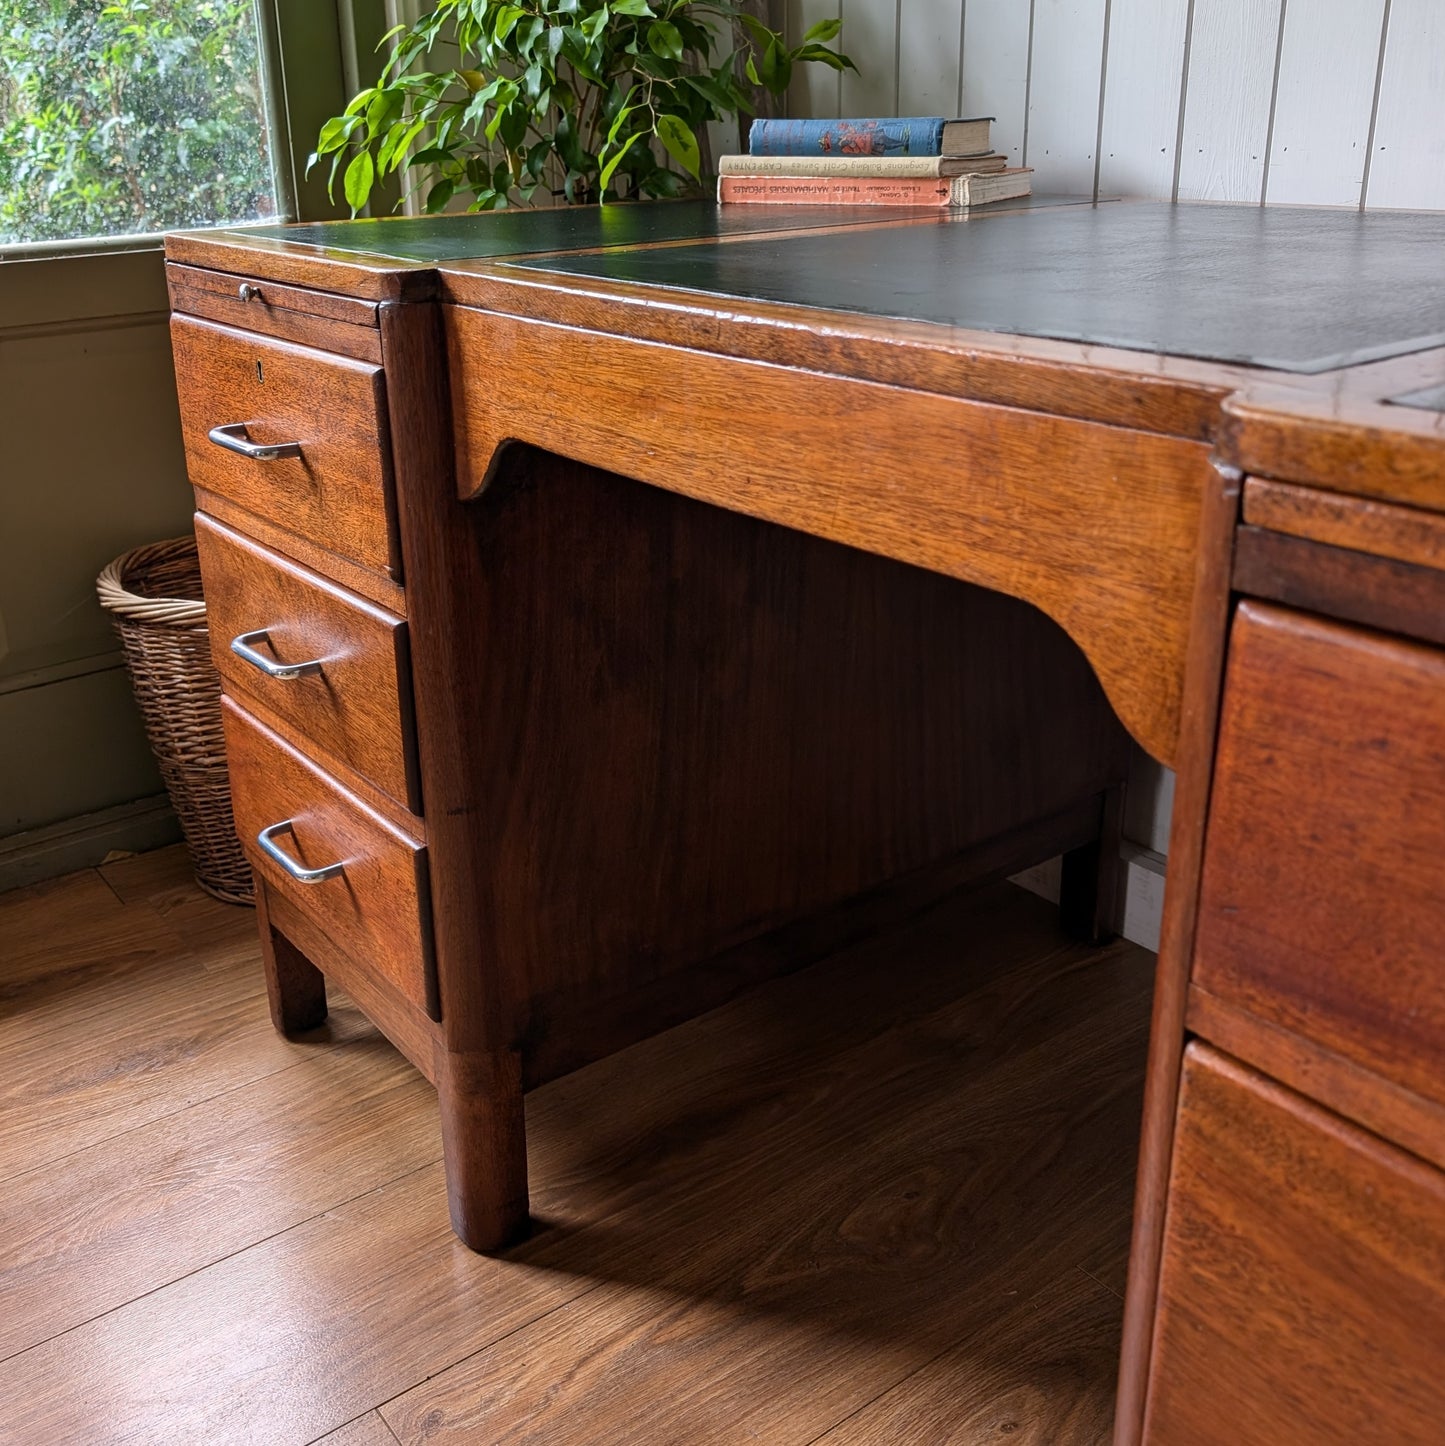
[(834, 190)]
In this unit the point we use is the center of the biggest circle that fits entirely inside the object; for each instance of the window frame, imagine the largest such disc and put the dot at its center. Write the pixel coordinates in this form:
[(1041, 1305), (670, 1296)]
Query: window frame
[(315, 54)]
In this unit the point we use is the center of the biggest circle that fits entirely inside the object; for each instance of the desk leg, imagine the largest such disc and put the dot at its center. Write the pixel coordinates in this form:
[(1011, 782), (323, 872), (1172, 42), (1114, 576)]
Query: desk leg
[(295, 987), (1091, 888), (485, 1144)]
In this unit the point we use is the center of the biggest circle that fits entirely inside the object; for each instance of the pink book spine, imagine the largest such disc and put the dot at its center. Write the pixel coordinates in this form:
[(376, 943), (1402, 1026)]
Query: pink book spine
[(835, 190)]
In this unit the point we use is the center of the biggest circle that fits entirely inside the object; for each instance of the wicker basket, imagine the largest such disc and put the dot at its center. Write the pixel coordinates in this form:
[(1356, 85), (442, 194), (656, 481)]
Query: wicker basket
[(154, 595)]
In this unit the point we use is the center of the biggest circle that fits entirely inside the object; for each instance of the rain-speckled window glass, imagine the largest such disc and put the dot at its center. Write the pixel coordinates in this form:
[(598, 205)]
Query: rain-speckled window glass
[(129, 117)]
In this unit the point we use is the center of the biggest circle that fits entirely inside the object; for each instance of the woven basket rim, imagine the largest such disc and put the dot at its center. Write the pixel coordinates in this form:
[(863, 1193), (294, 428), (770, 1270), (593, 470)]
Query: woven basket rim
[(117, 598)]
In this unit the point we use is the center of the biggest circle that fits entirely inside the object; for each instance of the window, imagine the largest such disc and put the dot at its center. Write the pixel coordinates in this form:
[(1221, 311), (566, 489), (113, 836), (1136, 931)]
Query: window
[(129, 118)]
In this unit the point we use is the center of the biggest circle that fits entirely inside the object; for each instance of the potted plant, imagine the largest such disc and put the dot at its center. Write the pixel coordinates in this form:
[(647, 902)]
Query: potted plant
[(587, 100)]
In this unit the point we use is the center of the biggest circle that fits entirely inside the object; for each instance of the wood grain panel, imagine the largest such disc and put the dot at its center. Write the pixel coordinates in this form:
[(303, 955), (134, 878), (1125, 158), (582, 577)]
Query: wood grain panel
[(1328, 60), (930, 52), (1301, 1296), (1139, 142), (287, 1340), (367, 1430), (1407, 167), (337, 492), (192, 1188), (870, 28), (358, 707), (1396, 597), (1407, 534), (1039, 1374), (1345, 442), (996, 36), (1156, 393), (828, 1295), (379, 909), (246, 255), (1325, 1075), (1065, 90), (1204, 682), (374, 586), (723, 1137), (312, 318), (1330, 735), (1227, 107), (820, 454), (799, 722)]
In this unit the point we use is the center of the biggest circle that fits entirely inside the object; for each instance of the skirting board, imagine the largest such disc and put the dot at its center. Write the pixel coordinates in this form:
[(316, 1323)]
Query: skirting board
[(81, 843), (1143, 891)]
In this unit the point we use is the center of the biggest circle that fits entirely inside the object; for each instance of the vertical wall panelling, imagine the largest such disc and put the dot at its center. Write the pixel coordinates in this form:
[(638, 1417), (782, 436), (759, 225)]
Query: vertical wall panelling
[(1407, 165), (1231, 85), (816, 89), (996, 69), (1141, 97), (929, 52), (1325, 98), (1064, 92), (870, 36)]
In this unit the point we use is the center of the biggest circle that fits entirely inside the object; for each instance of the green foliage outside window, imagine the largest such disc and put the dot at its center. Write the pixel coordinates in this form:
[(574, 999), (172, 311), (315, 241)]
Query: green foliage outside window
[(129, 117), (585, 100)]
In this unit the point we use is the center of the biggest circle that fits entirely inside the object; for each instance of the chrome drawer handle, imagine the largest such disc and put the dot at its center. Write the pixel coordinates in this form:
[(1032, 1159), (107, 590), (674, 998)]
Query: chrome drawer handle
[(267, 841), (242, 647), (234, 439)]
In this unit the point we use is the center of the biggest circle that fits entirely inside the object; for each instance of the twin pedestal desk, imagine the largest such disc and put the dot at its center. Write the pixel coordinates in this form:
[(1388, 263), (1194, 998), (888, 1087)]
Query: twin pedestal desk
[(607, 601)]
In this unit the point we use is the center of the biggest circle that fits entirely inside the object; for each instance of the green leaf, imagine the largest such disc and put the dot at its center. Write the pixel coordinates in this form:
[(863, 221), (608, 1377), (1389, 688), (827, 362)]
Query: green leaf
[(609, 170), (439, 196), (713, 92), (632, 7), (823, 30), (676, 135), (762, 36), (358, 180), (665, 40), (777, 68), (507, 17), (808, 53), (335, 133)]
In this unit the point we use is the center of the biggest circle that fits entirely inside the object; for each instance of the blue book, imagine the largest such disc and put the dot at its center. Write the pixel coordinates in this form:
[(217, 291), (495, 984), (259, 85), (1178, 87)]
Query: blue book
[(931, 135)]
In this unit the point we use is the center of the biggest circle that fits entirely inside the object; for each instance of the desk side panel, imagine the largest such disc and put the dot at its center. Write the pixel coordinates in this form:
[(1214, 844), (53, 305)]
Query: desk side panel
[(1095, 525)]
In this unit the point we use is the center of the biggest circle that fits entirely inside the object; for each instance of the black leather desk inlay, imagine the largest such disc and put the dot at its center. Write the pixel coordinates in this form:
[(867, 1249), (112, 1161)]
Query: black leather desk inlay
[(1295, 289), (1431, 399)]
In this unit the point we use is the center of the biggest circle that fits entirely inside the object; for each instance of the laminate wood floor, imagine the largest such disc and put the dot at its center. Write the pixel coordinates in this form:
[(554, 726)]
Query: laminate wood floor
[(884, 1200)]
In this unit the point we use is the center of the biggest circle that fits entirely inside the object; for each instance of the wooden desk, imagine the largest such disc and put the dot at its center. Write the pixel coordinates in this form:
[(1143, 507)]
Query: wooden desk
[(679, 578)]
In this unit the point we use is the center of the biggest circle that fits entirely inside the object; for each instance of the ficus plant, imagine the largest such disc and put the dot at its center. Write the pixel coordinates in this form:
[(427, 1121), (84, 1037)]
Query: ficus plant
[(587, 100)]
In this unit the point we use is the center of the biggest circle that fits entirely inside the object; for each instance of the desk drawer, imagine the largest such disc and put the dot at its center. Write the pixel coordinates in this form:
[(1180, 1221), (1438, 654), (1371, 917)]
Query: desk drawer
[(376, 907), (1302, 1290), (1322, 904), (356, 707), (335, 489)]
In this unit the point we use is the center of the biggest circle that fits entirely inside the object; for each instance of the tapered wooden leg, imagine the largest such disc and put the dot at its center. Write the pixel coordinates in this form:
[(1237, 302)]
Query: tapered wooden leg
[(1091, 894), (485, 1144), (295, 987)]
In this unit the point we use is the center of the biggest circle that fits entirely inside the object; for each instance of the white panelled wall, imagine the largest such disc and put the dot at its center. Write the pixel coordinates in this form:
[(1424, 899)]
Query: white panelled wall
[(1310, 102), (1315, 102)]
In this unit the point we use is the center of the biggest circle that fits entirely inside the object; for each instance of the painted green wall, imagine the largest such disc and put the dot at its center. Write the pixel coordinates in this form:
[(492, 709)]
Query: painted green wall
[(90, 453)]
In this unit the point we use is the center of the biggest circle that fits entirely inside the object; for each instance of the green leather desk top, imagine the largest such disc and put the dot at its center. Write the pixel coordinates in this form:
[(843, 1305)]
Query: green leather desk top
[(1301, 290)]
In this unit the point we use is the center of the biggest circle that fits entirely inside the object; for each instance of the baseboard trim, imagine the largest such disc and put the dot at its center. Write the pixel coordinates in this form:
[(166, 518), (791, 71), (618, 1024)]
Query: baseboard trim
[(1143, 891), (81, 843)]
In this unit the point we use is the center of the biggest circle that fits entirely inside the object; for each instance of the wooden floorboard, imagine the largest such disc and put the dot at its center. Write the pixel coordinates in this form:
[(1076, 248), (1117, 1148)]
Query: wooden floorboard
[(1035, 1371), (874, 1201)]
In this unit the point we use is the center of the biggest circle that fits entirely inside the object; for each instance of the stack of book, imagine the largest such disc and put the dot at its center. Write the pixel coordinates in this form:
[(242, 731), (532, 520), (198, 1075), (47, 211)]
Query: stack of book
[(901, 161)]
